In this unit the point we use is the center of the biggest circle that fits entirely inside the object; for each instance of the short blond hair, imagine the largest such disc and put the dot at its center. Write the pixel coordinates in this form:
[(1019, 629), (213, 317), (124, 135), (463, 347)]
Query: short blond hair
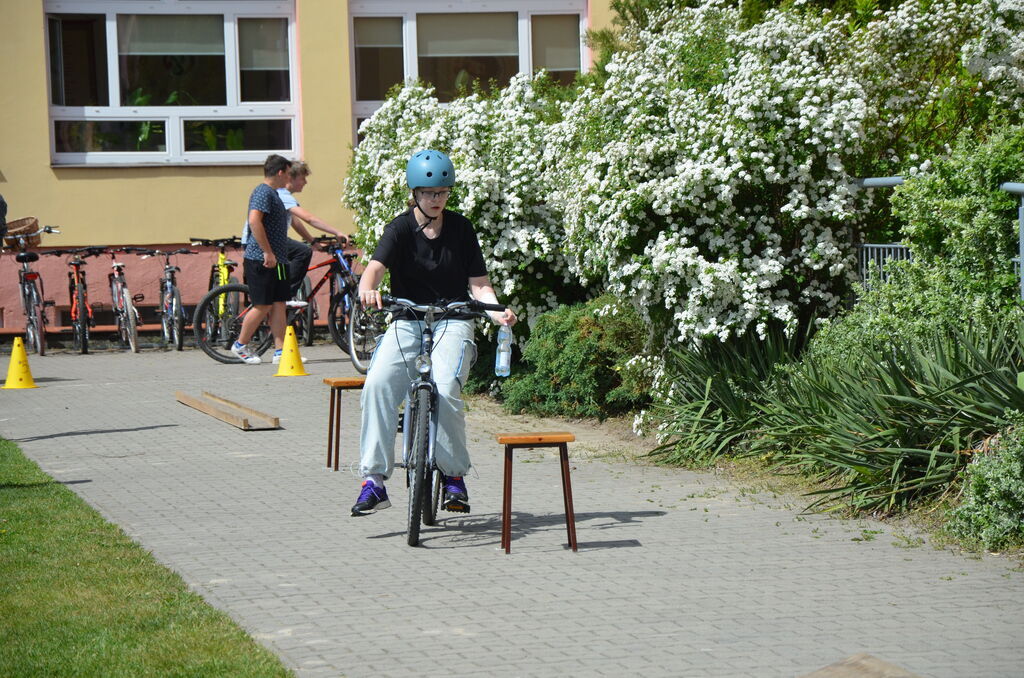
[(299, 169)]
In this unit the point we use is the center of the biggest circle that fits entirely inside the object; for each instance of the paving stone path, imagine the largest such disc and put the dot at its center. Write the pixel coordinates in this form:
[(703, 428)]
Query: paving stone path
[(678, 573)]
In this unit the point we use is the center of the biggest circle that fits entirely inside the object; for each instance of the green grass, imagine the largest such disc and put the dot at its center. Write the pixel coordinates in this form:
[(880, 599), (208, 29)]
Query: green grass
[(79, 598)]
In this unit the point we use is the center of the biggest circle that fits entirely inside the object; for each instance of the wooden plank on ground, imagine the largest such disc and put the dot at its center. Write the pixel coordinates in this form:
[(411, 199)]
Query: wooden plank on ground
[(230, 413), (269, 420)]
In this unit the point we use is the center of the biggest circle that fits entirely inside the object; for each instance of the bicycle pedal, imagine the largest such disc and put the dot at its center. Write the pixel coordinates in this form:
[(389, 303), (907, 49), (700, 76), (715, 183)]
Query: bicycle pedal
[(456, 506), (136, 298)]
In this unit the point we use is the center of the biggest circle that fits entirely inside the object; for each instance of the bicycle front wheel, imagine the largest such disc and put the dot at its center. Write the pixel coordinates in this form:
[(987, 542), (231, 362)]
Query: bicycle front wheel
[(218, 321), (366, 327), (337, 319), (177, 320), (130, 320), (35, 332), (81, 321), (416, 465), (304, 318)]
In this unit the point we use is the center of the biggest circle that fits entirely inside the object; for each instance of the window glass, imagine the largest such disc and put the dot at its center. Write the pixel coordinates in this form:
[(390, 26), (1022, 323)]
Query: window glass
[(171, 59), (556, 45), (78, 60), (379, 56), (456, 50), (238, 135), (263, 59), (87, 136)]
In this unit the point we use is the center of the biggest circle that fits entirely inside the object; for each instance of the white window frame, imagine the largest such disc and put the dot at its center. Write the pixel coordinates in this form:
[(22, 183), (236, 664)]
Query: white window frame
[(407, 11), (174, 117)]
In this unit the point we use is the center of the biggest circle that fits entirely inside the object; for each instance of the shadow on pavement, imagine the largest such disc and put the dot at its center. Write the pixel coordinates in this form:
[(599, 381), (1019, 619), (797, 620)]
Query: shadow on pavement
[(91, 432), (482, 530)]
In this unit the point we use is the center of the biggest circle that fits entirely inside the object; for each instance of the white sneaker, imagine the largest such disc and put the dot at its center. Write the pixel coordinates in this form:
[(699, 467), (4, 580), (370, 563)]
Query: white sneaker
[(295, 303), (277, 358), (244, 355)]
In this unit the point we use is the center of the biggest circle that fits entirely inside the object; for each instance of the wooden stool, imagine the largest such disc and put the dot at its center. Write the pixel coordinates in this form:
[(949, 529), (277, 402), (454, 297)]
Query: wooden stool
[(513, 441), (337, 384)]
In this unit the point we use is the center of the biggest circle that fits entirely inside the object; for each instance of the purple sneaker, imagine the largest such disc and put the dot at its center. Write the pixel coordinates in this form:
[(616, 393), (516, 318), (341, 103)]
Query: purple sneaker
[(371, 499), (456, 496)]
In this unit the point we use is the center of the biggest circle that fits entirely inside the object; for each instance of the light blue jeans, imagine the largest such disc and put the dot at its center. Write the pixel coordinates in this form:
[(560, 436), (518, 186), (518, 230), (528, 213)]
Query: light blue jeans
[(392, 368)]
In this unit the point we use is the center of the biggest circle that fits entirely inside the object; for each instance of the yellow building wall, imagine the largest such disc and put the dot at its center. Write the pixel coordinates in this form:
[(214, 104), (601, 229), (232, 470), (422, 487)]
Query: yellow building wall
[(156, 205), (162, 205)]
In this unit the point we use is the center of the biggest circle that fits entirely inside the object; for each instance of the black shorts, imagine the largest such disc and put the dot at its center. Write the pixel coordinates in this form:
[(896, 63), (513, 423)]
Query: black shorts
[(267, 285)]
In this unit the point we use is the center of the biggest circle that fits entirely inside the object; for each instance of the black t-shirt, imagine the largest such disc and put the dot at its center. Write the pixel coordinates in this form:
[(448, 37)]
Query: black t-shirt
[(425, 270)]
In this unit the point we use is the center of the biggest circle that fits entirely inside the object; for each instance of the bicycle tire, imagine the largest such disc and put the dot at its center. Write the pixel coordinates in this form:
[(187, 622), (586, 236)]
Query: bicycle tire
[(417, 465), (130, 318), (35, 328), (166, 317), (304, 317), (432, 500), (215, 333), (338, 320), (178, 320), (366, 327), (82, 324)]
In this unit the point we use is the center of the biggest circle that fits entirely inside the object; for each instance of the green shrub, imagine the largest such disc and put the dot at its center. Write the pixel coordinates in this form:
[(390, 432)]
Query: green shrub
[(992, 511), (577, 363), (887, 426)]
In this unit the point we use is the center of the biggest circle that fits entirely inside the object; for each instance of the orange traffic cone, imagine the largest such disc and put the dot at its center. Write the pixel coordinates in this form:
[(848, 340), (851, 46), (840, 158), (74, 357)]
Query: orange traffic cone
[(291, 361), (18, 373)]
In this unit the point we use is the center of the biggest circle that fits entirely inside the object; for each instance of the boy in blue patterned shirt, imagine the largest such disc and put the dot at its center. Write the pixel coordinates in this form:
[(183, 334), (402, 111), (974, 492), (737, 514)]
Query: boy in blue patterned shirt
[(266, 259)]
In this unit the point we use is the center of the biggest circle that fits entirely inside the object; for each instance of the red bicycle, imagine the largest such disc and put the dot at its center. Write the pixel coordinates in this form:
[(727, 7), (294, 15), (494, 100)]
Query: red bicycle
[(81, 311)]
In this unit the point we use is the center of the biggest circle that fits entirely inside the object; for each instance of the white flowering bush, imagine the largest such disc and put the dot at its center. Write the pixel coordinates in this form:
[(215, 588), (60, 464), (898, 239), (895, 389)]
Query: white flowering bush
[(709, 180)]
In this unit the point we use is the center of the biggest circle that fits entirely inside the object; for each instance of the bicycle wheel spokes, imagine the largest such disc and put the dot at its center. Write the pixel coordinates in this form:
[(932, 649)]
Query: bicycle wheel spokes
[(337, 320), (365, 329), (216, 332), (177, 320), (417, 464)]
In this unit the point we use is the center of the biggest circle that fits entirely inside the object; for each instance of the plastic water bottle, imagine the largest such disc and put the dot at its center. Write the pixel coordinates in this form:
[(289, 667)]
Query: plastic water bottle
[(503, 358)]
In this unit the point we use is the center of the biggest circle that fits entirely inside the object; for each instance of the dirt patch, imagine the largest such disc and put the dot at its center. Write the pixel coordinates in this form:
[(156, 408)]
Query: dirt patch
[(610, 438)]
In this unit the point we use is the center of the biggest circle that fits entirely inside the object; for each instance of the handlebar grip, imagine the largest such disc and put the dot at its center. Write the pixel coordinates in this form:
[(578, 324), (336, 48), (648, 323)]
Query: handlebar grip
[(499, 308)]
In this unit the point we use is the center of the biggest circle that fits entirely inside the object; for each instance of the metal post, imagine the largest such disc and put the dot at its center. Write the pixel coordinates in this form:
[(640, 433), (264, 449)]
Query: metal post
[(1018, 190)]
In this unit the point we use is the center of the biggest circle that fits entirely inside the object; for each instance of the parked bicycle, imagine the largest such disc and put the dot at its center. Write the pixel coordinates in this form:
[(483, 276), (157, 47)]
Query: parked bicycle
[(78, 291), (357, 339), (122, 302), (423, 477), (217, 322), (172, 312), (222, 271), (21, 235)]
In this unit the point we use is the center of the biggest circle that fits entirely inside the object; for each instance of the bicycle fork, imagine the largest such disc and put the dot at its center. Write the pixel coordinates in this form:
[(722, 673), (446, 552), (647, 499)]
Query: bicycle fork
[(408, 427)]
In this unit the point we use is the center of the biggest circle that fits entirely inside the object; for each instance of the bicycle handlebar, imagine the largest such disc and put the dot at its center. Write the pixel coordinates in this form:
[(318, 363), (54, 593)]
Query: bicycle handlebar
[(92, 251), (471, 305), (233, 241)]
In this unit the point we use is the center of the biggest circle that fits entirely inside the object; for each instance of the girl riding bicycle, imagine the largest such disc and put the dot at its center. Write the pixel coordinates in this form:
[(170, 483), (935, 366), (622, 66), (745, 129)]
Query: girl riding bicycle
[(432, 254)]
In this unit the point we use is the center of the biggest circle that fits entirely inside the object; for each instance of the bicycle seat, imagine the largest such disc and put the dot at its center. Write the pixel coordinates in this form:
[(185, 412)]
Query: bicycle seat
[(26, 257)]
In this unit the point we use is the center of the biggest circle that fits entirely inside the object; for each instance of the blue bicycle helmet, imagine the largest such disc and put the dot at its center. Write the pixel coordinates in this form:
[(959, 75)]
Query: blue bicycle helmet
[(427, 169)]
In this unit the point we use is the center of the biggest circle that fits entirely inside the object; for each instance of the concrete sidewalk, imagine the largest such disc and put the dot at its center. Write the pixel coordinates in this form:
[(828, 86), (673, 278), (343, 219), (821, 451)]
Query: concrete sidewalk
[(678, 573)]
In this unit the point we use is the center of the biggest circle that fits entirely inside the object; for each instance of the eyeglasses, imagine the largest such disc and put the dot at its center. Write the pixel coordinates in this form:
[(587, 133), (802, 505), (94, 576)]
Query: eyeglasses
[(435, 195)]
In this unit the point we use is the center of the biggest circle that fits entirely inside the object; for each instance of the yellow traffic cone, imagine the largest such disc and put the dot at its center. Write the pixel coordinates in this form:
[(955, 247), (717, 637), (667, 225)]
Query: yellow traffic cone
[(291, 361), (18, 373)]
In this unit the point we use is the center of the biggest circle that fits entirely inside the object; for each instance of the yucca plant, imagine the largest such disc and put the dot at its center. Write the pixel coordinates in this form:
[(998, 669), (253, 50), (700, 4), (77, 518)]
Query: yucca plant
[(712, 394), (899, 420)]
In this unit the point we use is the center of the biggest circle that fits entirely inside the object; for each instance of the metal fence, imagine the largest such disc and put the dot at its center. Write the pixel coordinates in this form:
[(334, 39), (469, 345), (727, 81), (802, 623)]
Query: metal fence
[(873, 259)]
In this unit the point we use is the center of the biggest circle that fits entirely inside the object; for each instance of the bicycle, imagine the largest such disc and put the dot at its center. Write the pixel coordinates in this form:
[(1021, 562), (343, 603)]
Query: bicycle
[(25, 235), (216, 330), (122, 302), (221, 273), (78, 291), (172, 312), (344, 300), (419, 427)]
